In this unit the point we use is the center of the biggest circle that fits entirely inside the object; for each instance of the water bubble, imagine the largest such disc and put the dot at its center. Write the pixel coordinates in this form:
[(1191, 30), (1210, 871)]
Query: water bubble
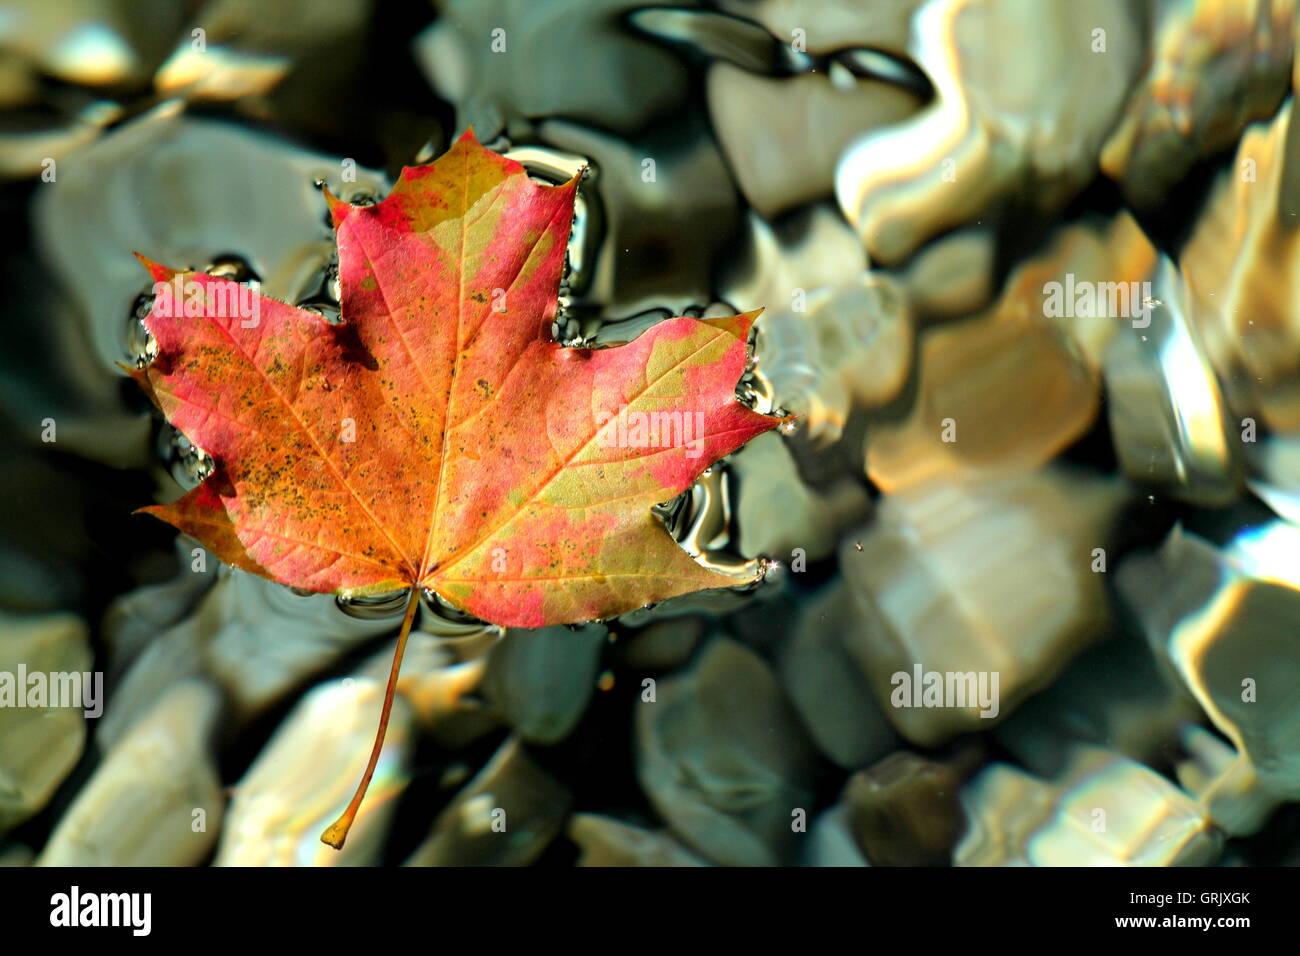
[(330, 315), (466, 637), (188, 464), (749, 392), (372, 607), (324, 295), (235, 268), (361, 196), (757, 392), (548, 165), (579, 342), (702, 520), (333, 285), (446, 620), (141, 346)]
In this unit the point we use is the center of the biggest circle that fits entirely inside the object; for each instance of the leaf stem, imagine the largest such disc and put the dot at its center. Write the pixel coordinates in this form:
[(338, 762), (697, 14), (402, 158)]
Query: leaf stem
[(337, 832)]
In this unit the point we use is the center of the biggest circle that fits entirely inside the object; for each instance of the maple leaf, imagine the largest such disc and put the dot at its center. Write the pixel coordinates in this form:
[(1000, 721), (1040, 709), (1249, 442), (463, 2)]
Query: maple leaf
[(438, 437)]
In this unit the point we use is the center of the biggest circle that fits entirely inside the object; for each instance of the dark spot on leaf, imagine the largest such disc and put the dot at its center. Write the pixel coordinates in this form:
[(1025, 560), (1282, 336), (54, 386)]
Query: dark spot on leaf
[(352, 348)]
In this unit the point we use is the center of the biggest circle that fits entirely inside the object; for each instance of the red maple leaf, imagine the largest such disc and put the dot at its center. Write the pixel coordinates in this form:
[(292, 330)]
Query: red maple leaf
[(438, 438)]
